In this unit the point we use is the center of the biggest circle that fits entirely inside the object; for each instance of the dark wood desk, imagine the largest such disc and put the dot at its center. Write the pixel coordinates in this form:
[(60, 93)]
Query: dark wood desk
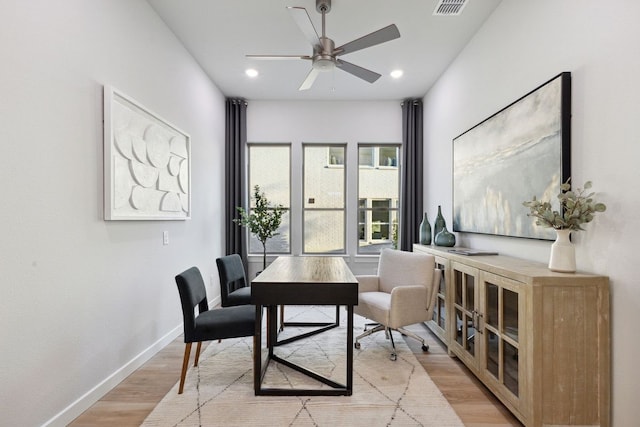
[(301, 281)]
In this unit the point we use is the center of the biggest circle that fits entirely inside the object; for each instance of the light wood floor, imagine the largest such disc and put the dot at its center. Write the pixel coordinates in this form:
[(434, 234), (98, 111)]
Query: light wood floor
[(131, 401)]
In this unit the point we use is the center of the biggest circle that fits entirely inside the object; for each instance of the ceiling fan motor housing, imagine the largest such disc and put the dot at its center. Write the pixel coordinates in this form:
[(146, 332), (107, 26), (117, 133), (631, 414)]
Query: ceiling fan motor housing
[(323, 57), (323, 6)]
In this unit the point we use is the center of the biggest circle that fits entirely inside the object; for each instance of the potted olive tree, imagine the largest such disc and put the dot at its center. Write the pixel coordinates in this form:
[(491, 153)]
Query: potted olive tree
[(262, 221)]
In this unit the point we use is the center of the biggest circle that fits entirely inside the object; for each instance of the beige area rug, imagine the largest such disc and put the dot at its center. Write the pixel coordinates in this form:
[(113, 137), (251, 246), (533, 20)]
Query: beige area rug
[(219, 392)]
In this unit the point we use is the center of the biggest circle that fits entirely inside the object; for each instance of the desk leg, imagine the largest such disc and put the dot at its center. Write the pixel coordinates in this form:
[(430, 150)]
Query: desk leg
[(322, 327), (349, 350), (257, 351), (272, 327), (272, 332)]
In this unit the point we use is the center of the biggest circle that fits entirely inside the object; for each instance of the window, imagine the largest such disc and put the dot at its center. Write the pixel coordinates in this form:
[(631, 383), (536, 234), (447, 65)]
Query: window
[(336, 156), (269, 167), (380, 219), (362, 219), (388, 156), (323, 199), (378, 197), (323, 221), (365, 156)]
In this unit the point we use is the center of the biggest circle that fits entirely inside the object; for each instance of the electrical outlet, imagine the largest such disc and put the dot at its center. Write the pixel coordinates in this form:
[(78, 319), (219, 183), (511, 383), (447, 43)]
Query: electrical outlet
[(165, 237)]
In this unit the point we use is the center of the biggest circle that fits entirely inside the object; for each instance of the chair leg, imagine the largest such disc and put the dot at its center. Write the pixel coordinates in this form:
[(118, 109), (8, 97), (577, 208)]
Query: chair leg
[(415, 337), (185, 365), (281, 318), (394, 355), (197, 353), (389, 335), (366, 333), (367, 325)]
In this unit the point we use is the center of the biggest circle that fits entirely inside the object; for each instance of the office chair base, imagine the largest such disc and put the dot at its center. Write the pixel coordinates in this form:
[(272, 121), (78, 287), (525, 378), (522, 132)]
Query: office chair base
[(368, 332), (377, 328), (389, 335), (404, 332)]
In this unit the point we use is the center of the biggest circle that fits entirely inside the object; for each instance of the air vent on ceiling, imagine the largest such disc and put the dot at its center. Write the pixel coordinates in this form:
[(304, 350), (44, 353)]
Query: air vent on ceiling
[(449, 7)]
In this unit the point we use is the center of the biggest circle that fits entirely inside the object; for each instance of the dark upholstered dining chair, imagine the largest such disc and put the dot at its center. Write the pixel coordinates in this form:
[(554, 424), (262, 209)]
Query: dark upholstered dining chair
[(220, 323), (234, 289)]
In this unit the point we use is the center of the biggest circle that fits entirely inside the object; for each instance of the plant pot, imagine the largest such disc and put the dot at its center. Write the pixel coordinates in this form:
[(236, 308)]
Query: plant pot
[(563, 253)]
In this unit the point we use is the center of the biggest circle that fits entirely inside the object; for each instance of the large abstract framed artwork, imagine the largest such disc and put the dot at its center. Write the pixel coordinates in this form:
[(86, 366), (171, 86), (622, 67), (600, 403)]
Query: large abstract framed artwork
[(521, 151), (147, 163)]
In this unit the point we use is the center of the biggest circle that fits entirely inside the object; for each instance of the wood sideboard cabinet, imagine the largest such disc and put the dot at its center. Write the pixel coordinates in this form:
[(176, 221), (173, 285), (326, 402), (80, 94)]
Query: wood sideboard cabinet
[(539, 340)]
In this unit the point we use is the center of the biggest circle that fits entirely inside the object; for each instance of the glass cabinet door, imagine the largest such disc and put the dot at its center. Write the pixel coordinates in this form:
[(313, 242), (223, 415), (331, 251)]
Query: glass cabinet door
[(465, 297), (502, 304), (439, 311), (440, 322)]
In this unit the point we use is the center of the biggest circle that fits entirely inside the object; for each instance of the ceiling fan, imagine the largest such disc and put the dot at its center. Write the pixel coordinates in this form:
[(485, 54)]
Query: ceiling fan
[(325, 54)]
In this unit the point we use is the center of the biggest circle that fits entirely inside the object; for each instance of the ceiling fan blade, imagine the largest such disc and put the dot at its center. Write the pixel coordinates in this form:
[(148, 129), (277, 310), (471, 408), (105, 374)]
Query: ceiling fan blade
[(301, 17), (357, 71), (381, 36), (308, 81), (278, 57)]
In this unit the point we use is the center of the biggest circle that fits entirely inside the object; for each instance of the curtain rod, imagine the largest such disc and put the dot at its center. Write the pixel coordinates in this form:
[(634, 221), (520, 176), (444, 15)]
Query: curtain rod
[(414, 101), (237, 101)]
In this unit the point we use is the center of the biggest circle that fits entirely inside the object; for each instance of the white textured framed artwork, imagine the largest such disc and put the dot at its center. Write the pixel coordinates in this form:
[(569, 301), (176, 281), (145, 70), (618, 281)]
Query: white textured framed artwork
[(147, 163)]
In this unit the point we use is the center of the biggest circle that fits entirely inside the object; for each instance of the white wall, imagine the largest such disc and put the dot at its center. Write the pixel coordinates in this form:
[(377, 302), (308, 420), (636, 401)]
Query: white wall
[(299, 122), (84, 301), (522, 45)]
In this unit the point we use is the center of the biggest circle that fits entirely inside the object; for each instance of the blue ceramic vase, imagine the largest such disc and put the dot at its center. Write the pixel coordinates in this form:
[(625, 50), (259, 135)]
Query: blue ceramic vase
[(438, 224), (444, 238), (425, 231)]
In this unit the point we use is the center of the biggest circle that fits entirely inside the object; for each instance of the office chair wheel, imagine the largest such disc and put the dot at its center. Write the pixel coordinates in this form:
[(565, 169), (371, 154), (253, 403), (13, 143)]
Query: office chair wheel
[(357, 345), (425, 347), (393, 357)]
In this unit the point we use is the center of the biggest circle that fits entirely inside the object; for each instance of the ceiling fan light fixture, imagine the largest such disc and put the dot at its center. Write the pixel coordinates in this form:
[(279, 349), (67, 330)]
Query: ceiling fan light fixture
[(324, 64), (251, 72), (396, 74)]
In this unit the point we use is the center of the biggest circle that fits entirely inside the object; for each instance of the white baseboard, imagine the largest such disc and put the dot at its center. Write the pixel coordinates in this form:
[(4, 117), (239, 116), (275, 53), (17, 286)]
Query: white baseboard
[(215, 302), (83, 403)]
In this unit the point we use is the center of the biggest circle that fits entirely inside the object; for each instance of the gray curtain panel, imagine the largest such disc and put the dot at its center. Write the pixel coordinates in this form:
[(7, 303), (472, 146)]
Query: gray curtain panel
[(235, 143), (412, 177)]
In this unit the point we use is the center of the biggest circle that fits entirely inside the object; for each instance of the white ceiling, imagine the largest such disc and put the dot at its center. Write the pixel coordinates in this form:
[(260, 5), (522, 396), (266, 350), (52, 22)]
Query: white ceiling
[(219, 33)]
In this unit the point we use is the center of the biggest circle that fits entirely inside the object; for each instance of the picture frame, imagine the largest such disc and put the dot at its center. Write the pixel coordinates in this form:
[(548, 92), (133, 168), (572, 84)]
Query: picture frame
[(147, 163), (523, 150)]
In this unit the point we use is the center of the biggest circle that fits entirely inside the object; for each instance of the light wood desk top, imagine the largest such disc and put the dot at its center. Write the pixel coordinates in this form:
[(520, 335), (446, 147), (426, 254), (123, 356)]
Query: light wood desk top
[(307, 269)]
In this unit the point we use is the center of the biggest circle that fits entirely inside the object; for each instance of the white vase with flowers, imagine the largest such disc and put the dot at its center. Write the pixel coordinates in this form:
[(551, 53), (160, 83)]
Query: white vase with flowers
[(576, 208)]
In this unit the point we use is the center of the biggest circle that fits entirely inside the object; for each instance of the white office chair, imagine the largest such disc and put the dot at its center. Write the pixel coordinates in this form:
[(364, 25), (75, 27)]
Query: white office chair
[(401, 294)]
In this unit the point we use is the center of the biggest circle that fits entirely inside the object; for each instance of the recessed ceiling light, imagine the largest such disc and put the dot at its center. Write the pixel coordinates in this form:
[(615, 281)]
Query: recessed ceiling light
[(396, 74), (251, 72)]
